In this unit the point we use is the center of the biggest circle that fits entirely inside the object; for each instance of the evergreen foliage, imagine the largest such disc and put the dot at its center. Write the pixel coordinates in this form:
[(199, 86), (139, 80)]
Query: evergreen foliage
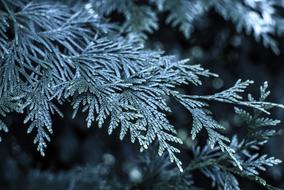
[(260, 18), (53, 53)]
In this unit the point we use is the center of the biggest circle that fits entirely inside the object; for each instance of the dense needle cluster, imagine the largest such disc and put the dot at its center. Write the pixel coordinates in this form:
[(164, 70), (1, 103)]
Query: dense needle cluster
[(53, 53)]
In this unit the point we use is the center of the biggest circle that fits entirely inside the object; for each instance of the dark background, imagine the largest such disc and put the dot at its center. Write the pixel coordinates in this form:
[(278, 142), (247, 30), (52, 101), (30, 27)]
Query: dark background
[(215, 45)]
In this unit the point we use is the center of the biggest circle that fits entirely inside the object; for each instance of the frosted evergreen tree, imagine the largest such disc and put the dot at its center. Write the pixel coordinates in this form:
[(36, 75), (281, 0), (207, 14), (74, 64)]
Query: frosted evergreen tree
[(54, 53)]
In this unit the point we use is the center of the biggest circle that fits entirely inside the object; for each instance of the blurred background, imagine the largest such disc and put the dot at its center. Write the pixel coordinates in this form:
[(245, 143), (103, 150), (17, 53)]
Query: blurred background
[(215, 45)]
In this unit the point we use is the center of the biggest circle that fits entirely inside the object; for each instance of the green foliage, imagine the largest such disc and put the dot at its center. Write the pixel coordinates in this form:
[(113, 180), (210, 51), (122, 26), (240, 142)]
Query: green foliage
[(51, 54), (222, 169), (138, 18), (258, 18)]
